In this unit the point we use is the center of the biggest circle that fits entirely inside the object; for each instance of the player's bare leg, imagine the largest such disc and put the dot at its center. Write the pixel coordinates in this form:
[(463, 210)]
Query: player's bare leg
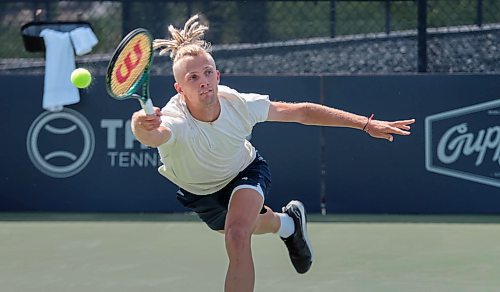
[(241, 221), (268, 222)]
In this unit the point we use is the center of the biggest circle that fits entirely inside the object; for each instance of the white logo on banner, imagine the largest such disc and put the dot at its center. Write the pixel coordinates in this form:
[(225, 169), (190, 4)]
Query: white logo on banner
[(56, 158), (123, 153), (459, 143)]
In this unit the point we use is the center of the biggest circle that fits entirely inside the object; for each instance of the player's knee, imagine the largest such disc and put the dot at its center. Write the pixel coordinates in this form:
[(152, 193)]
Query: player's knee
[(237, 237)]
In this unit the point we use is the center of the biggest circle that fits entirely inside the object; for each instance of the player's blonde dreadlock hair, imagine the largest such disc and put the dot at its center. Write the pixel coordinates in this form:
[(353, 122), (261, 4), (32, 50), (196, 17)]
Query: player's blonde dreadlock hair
[(186, 42)]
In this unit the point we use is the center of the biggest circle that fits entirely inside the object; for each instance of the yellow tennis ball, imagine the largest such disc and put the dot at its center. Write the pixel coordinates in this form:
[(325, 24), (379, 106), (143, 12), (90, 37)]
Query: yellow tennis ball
[(81, 77)]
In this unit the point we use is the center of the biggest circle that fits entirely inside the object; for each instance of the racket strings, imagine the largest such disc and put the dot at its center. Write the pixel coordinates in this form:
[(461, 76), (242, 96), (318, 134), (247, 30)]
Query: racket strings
[(130, 64)]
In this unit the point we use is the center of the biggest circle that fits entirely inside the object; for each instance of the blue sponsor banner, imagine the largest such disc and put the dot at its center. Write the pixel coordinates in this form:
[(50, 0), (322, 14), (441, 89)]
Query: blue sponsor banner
[(82, 159), (85, 158), (448, 165)]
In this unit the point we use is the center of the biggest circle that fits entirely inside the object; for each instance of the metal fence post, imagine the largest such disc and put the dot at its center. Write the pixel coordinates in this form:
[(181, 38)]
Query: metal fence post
[(479, 13), (422, 35), (388, 16), (125, 17), (333, 19)]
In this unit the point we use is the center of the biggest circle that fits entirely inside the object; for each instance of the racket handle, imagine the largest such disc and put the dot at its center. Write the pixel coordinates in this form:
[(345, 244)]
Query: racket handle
[(148, 106)]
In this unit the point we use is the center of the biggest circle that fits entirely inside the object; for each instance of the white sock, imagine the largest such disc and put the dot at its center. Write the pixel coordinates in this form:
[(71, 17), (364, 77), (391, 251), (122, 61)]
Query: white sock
[(287, 226)]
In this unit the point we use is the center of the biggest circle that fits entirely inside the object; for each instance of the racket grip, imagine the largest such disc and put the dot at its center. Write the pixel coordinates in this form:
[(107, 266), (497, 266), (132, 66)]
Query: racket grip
[(148, 106)]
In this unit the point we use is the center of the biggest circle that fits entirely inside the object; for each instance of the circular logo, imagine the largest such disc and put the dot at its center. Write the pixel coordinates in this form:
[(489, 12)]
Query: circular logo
[(60, 144)]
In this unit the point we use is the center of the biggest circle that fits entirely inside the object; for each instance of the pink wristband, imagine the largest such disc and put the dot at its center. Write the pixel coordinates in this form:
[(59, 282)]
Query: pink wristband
[(365, 128)]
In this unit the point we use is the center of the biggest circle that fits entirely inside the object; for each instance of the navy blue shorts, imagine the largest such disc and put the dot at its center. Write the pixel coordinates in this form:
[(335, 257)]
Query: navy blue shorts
[(212, 209)]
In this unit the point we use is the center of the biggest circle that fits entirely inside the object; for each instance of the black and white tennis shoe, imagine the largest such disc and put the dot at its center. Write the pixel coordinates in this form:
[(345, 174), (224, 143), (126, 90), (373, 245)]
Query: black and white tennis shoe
[(298, 245)]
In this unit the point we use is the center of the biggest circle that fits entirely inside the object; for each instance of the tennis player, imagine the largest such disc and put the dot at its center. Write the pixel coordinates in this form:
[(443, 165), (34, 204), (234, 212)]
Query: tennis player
[(201, 137)]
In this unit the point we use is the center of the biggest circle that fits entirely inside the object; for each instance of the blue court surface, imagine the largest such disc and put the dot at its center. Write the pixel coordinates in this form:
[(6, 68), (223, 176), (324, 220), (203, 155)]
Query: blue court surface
[(89, 252)]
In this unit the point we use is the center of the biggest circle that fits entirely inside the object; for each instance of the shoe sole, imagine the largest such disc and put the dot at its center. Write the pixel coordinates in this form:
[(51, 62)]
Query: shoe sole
[(304, 222)]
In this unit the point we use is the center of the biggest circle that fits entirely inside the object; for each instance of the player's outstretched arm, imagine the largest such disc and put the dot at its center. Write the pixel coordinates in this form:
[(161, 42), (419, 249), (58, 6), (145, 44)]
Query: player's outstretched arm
[(148, 130), (316, 114)]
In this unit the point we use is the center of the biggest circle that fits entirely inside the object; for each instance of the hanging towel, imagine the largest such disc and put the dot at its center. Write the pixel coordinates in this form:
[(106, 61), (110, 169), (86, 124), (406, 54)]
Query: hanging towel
[(59, 63), (83, 39)]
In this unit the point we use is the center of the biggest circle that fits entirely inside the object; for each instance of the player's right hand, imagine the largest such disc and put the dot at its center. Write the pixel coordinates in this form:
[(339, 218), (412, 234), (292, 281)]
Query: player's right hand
[(145, 122)]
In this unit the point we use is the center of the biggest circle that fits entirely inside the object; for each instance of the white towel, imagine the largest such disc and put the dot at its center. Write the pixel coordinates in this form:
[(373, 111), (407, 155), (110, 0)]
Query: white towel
[(83, 39), (59, 63)]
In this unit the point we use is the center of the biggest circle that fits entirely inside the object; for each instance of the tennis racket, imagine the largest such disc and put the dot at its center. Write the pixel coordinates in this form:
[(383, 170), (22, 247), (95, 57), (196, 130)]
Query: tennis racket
[(129, 68)]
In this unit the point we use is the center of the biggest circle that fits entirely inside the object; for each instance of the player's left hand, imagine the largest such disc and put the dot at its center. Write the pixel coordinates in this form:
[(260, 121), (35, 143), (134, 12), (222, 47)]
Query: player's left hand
[(386, 130)]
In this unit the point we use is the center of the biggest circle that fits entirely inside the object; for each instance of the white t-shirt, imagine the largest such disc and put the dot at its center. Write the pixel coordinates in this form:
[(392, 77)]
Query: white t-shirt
[(203, 157)]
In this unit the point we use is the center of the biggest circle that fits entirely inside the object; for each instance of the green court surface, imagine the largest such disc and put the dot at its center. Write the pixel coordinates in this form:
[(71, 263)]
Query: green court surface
[(73, 253)]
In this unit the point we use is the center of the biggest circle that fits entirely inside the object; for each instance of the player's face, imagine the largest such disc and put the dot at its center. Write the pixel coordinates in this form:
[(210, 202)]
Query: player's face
[(197, 80)]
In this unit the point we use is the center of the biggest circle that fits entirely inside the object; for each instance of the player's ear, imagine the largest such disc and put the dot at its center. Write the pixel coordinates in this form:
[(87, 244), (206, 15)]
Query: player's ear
[(218, 76), (178, 87)]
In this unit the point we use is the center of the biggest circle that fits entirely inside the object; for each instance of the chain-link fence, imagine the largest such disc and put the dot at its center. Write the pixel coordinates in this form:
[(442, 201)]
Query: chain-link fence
[(289, 37)]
